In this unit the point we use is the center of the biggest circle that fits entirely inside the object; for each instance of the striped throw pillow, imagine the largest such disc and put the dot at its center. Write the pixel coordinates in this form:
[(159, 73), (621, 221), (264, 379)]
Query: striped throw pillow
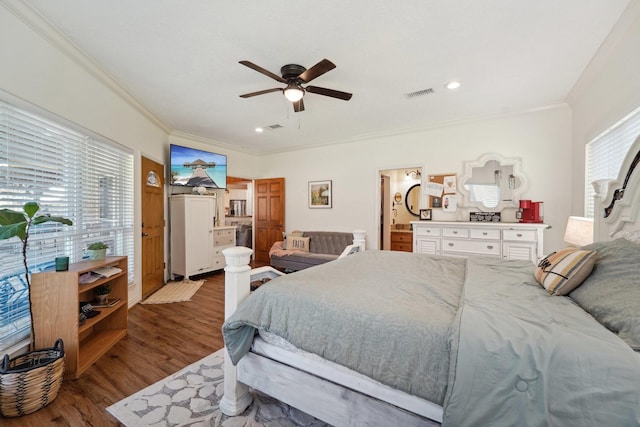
[(564, 270)]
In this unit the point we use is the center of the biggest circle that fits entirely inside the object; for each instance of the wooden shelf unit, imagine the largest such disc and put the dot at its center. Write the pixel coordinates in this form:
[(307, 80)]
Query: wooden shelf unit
[(56, 296)]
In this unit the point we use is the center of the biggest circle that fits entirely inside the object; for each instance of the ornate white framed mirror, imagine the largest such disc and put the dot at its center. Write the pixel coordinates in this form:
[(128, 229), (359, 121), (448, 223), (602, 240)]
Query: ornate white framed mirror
[(492, 183)]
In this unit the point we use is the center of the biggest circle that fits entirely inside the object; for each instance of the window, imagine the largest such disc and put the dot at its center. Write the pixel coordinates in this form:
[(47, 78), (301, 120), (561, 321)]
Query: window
[(605, 154), (70, 173)]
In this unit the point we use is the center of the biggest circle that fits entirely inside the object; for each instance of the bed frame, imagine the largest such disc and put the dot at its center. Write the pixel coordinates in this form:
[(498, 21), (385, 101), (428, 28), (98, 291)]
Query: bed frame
[(617, 201), (321, 398), (342, 406)]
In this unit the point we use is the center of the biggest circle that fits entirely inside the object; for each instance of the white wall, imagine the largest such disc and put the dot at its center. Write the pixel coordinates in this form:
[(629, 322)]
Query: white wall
[(41, 69), (608, 89), (542, 139)]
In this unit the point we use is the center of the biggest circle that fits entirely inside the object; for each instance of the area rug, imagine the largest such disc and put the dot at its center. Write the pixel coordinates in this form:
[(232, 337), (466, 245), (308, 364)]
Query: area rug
[(190, 397), (175, 292)]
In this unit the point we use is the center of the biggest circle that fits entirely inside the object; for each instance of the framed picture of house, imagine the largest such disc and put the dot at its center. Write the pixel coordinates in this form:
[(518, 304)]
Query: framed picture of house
[(320, 194)]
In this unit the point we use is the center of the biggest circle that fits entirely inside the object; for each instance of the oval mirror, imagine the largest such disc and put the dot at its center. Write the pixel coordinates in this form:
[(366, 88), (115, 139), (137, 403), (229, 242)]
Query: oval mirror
[(493, 183), (412, 200)]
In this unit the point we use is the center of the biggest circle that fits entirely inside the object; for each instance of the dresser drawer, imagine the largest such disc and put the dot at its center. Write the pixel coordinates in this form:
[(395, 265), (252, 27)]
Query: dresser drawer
[(477, 247), (217, 250), (455, 232), (480, 233), (401, 237), (219, 262), (223, 240), (519, 235), (428, 231), (403, 247), (224, 232)]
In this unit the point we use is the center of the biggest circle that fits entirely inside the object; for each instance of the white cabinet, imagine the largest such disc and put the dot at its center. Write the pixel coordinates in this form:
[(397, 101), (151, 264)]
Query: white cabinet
[(506, 240), (194, 249)]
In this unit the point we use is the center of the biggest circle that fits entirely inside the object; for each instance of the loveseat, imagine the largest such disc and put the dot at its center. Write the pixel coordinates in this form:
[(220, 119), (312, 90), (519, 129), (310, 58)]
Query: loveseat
[(308, 248)]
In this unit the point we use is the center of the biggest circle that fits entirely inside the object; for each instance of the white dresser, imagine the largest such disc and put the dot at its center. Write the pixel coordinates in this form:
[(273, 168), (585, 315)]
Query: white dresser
[(499, 239)]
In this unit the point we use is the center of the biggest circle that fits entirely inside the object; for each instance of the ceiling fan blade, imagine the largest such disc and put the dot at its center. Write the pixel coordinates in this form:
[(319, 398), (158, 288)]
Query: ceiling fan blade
[(329, 92), (317, 70), (263, 71), (261, 92), (298, 106)]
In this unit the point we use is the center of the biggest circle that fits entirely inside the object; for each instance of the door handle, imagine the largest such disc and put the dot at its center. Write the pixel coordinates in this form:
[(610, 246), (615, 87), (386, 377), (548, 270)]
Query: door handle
[(145, 234)]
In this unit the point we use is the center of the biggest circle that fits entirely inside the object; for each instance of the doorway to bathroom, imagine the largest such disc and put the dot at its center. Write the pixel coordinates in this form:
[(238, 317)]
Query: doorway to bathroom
[(400, 201)]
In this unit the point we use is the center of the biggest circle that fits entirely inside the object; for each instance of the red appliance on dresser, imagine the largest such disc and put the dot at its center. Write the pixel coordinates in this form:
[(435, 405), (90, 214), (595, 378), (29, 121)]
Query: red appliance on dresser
[(531, 211)]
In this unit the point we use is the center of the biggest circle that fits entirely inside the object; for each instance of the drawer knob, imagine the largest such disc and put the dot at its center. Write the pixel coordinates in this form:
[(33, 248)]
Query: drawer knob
[(489, 246), (451, 244), (519, 234), (484, 233), (455, 232)]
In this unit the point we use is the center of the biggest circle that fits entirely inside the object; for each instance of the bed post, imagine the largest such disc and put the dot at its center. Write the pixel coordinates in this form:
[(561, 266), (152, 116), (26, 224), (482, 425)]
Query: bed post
[(359, 238), (237, 275), (601, 188)]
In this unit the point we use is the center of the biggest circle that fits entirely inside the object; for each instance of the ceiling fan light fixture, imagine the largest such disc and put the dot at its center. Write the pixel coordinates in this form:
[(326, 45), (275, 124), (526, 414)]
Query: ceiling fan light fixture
[(293, 92)]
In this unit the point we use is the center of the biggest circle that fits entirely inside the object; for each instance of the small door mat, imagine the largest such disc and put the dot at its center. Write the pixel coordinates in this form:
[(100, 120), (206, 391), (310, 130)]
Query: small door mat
[(174, 292)]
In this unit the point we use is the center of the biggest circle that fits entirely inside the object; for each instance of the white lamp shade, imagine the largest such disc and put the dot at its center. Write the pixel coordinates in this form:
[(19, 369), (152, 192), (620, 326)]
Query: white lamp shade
[(293, 93), (579, 231)]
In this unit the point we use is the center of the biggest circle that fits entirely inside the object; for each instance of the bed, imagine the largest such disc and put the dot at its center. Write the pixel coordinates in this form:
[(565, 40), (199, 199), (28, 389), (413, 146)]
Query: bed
[(459, 342)]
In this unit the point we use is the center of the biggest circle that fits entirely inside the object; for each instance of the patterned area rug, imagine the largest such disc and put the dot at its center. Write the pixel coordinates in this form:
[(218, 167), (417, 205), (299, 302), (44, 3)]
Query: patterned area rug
[(175, 292), (190, 397)]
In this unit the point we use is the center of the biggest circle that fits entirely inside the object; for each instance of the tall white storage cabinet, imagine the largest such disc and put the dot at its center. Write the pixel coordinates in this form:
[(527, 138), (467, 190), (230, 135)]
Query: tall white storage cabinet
[(192, 234)]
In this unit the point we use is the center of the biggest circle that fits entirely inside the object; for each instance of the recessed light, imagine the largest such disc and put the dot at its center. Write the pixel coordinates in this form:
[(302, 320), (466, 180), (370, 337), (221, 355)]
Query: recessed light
[(452, 85), (259, 130)]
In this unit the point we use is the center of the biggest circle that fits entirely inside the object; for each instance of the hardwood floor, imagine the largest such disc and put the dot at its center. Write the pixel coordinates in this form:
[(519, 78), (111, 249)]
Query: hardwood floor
[(161, 339)]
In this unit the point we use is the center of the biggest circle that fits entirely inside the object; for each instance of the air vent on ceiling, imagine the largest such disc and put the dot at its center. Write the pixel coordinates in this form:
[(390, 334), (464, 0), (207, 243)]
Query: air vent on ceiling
[(422, 92)]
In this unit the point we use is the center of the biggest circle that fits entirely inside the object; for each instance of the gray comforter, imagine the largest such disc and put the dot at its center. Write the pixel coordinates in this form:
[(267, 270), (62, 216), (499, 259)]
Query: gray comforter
[(521, 357), (477, 335), (363, 311)]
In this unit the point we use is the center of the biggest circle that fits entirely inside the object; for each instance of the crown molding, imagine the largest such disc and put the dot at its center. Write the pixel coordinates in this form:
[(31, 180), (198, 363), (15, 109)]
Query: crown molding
[(209, 141), (31, 18)]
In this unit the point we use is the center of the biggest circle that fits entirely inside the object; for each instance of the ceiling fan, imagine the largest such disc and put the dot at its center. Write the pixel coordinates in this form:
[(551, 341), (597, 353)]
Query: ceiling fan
[(294, 76)]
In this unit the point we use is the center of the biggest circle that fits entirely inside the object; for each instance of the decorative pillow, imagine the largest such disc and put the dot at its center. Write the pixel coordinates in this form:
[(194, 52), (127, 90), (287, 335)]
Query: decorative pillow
[(563, 271), (611, 293), (284, 237), (298, 243)]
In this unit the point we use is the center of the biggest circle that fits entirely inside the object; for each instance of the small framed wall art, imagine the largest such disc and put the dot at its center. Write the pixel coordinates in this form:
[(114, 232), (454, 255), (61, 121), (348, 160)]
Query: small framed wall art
[(425, 214), (320, 194)]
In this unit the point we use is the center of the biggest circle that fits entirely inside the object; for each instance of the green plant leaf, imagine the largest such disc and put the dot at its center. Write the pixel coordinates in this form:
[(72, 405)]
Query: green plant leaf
[(30, 208), (47, 218), (9, 217), (14, 230)]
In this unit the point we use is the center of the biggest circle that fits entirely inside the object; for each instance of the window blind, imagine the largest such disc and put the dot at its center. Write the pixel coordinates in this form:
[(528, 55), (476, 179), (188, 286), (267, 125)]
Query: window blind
[(605, 154), (69, 173)]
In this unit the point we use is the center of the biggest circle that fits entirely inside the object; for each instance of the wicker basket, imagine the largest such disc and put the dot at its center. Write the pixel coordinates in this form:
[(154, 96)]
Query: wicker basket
[(31, 381)]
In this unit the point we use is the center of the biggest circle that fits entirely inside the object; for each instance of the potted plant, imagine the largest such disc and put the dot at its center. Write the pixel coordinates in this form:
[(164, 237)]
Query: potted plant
[(102, 293), (30, 381), (97, 250)]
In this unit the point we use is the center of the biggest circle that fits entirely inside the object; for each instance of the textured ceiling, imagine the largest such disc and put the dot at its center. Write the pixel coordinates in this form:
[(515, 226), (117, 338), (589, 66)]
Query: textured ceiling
[(180, 60)]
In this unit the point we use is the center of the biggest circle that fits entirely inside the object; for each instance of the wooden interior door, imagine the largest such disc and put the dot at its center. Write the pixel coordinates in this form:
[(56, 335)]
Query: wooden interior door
[(268, 215), (152, 226)]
